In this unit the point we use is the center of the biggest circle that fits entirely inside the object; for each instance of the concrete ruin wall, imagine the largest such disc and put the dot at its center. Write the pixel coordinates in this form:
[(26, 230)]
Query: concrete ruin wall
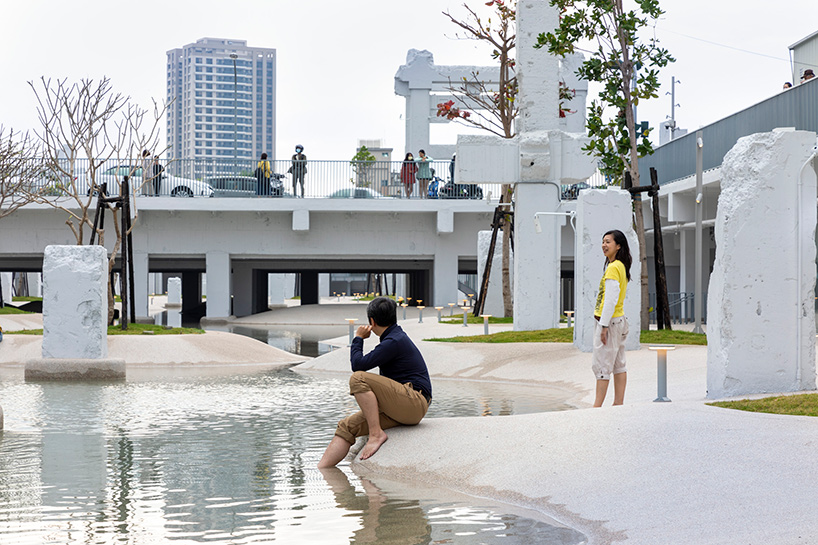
[(75, 302), (599, 211), (761, 317), (494, 301)]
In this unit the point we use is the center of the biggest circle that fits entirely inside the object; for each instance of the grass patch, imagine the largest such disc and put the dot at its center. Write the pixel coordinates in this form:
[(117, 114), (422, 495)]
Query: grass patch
[(133, 329), (566, 335), (26, 298), (455, 320), (8, 309), (801, 405)]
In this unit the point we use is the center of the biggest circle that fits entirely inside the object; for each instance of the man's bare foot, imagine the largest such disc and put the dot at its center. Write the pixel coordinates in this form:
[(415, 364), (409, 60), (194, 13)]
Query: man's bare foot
[(373, 444)]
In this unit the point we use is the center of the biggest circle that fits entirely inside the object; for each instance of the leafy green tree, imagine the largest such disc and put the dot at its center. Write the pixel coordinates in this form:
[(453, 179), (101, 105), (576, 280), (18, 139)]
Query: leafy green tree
[(628, 68), (362, 163)]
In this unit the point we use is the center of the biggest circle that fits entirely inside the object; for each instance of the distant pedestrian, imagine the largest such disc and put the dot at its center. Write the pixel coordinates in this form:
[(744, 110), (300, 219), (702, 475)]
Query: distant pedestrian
[(299, 169), (424, 175), (451, 167), (156, 170), (787, 85), (808, 75), (611, 328), (407, 174), (263, 174), (147, 173)]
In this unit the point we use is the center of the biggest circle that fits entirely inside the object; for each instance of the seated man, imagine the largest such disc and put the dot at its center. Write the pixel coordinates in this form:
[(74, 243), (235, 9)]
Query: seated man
[(400, 395)]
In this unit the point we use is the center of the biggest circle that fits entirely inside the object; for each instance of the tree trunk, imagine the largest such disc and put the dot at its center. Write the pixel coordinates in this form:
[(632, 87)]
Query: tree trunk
[(644, 312)]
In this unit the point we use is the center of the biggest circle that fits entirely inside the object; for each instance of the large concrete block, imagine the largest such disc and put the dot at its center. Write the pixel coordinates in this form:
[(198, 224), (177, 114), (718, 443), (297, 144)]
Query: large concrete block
[(5, 284), (75, 302), (599, 211), (174, 292), (761, 318), (494, 301)]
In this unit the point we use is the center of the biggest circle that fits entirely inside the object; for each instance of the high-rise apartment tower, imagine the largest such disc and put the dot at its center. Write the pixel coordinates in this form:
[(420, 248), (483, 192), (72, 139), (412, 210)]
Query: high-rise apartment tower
[(223, 96)]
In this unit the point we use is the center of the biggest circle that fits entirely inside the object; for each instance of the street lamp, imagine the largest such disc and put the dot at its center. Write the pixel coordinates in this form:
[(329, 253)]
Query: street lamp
[(235, 112)]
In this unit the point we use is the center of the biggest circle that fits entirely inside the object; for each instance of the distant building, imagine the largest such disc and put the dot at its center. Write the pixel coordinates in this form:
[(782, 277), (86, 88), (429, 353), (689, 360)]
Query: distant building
[(377, 176), (804, 56), (216, 113)]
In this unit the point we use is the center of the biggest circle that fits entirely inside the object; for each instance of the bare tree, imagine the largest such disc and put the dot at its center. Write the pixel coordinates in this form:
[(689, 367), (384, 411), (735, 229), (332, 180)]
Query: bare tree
[(19, 170), (83, 126), (489, 108)]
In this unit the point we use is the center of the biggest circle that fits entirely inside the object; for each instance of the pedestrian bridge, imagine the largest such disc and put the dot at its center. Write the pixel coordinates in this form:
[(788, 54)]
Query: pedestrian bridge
[(237, 242)]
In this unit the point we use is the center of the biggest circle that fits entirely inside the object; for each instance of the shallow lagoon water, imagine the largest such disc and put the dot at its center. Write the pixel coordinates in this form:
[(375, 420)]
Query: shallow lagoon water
[(226, 459)]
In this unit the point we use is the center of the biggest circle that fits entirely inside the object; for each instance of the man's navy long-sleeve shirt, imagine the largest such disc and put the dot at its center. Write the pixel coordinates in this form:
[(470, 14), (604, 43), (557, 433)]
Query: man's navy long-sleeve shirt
[(396, 356)]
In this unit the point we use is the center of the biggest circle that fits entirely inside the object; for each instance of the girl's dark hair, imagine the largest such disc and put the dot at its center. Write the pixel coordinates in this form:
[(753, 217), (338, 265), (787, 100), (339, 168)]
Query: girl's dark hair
[(383, 311), (624, 252), (407, 156), (263, 156)]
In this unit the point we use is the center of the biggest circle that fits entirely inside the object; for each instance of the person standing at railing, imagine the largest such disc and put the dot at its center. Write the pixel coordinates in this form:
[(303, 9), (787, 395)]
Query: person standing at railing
[(299, 169), (263, 175), (147, 174), (424, 174), (156, 170), (407, 174)]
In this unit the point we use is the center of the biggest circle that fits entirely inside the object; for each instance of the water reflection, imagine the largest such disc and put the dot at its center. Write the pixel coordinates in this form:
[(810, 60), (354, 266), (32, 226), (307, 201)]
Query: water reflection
[(305, 340), (212, 459)]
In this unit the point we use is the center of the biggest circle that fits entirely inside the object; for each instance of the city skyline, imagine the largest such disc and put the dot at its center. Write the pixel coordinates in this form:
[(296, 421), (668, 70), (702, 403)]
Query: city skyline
[(336, 71)]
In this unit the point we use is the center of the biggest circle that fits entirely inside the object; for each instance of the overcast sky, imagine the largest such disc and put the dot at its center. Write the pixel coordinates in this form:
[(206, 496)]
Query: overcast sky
[(337, 60)]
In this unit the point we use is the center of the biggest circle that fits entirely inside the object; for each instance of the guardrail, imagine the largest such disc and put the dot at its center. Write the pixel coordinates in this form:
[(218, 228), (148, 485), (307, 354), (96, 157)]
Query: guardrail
[(283, 179), (681, 307)]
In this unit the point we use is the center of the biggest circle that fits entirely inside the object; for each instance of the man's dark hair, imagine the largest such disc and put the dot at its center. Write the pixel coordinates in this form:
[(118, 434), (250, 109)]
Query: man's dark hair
[(383, 311)]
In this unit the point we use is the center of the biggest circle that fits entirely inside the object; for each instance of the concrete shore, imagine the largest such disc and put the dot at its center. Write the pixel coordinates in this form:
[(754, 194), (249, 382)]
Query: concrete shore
[(644, 473)]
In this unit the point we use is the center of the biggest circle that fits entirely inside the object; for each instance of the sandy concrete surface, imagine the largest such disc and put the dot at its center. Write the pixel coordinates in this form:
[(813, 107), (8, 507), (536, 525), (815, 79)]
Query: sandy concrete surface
[(645, 473)]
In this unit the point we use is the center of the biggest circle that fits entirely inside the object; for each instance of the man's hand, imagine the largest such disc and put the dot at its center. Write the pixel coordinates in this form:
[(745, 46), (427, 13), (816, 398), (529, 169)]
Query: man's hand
[(363, 331), (603, 335)]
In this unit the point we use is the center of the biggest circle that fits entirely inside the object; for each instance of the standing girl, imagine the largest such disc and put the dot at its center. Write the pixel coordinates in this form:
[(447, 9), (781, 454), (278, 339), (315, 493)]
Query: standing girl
[(612, 326), (407, 174)]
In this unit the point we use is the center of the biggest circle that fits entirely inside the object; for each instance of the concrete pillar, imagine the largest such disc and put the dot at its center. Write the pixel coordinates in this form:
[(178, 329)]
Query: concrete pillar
[(275, 289), (536, 258), (141, 266), (219, 284), (761, 319), (5, 284), (323, 285), (174, 292), (35, 284), (444, 289), (242, 279), (599, 211), (309, 288), (191, 290)]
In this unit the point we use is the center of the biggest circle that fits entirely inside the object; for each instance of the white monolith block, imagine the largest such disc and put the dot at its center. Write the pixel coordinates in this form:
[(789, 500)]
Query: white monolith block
[(760, 305), (600, 211), (75, 302), (174, 292), (6, 280), (494, 301)]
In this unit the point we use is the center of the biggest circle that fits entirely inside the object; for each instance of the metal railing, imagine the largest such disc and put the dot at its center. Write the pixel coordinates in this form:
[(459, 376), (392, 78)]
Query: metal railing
[(681, 307), (225, 178)]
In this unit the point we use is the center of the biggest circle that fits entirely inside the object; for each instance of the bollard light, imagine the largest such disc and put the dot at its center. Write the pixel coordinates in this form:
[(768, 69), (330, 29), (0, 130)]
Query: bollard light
[(465, 316), (351, 322), (438, 309), (485, 323), (570, 315), (451, 309), (404, 305), (420, 315), (661, 370), (471, 301)]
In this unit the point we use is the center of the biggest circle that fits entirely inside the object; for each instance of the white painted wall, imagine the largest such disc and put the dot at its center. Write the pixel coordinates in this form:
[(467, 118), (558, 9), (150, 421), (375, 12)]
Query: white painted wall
[(761, 318), (599, 211)]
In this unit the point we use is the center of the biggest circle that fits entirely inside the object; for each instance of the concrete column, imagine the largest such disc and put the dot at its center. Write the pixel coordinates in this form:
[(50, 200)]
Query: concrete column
[(275, 289), (494, 302), (260, 294), (599, 211), (219, 284), (5, 284), (417, 120), (191, 290), (444, 281), (242, 289), (323, 285), (761, 318), (536, 258), (309, 288), (141, 266)]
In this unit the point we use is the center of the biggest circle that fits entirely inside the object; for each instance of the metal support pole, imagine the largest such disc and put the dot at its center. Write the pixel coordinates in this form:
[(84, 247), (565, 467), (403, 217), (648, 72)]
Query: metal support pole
[(697, 301), (661, 372), (420, 316), (404, 310), (438, 309), (351, 322), (465, 316), (486, 323)]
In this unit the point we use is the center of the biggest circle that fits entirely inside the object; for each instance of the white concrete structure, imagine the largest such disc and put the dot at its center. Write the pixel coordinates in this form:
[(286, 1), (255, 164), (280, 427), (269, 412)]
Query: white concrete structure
[(5, 285), (761, 319), (75, 302), (494, 300), (174, 292), (538, 160), (599, 211), (425, 85)]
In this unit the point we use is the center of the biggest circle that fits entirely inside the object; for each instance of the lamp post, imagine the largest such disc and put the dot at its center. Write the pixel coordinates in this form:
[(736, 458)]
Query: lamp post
[(235, 112)]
